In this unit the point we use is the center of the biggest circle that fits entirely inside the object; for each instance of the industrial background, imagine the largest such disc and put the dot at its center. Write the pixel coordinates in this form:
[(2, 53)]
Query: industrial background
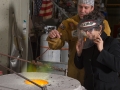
[(24, 29), (15, 12)]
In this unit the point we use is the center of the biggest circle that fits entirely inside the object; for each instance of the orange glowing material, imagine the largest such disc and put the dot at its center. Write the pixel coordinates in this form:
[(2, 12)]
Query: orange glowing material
[(84, 38), (37, 81)]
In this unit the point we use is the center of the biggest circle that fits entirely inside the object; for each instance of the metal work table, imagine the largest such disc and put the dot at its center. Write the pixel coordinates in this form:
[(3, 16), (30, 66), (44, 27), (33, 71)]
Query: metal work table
[(56, 82)]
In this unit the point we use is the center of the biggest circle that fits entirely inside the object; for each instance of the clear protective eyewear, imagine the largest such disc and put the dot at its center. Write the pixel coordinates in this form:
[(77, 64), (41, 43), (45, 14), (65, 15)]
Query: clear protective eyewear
[(82, 37)]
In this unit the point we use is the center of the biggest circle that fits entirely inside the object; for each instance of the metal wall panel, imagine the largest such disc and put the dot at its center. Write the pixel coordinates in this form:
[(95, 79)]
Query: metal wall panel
[(21, 10), (113, 17), (4, 30)]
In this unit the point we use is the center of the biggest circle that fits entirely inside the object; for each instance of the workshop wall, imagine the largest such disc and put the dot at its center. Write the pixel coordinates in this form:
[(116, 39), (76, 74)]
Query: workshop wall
[(113, 9), (4, 30), (114, 19), (21, 10)]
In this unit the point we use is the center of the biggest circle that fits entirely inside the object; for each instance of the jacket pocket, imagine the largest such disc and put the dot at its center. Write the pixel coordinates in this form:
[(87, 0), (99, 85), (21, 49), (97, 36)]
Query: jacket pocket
[(107, 78)]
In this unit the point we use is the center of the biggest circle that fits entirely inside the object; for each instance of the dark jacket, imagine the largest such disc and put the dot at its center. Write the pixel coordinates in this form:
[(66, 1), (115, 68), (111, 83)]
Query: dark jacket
[(101, 68)]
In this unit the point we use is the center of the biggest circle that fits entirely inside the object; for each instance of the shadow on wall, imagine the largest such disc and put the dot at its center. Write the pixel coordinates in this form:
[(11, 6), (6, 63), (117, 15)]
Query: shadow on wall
[(16, 41)]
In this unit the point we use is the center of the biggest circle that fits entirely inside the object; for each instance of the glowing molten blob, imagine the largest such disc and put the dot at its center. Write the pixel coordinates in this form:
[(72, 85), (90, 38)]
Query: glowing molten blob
[(37, 81), (84, 38)]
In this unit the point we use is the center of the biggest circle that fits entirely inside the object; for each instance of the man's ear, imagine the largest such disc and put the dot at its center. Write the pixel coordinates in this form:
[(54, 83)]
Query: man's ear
[(100, 28), (92, 8)]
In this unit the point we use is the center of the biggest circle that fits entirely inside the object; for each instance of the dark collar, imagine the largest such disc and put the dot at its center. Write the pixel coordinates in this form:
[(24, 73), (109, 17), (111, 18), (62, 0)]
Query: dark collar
[(103, 36)]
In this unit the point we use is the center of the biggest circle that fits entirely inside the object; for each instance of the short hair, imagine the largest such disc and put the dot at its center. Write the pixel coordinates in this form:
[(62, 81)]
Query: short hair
[(97, 16)]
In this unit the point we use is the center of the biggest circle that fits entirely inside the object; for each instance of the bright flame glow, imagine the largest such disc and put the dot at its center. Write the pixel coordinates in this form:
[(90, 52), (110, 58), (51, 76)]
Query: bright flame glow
[(37, 81)]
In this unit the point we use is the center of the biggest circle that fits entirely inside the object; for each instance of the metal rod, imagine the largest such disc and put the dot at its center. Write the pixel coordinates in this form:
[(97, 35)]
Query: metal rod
[(60, 49), (42, 53), (22, 77), (60, 8), (37, 64), (15, 58), (19, 59)]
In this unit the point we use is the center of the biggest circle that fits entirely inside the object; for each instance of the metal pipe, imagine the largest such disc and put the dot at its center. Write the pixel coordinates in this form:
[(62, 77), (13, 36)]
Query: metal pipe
[(42, 87), (37, 64), (19, 59), (60, 8)]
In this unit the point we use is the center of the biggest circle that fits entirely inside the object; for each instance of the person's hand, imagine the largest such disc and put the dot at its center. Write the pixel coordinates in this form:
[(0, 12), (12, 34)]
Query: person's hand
[(79, 47), (54, 34), (99, 43)]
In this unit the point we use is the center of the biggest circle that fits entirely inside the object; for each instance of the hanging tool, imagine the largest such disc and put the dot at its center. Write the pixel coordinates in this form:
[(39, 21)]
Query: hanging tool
[(16, 48), (60, 9)]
